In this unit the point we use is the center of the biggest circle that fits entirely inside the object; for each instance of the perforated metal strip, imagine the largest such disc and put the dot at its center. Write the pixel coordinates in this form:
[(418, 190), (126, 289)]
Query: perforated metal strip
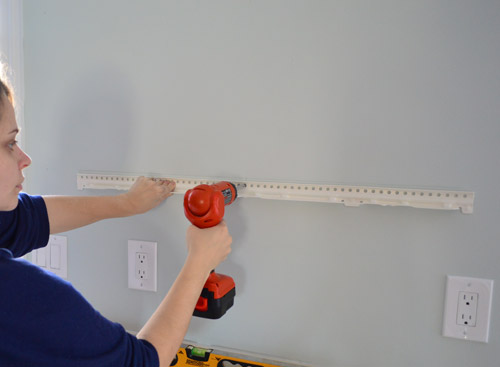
[(343, 194)]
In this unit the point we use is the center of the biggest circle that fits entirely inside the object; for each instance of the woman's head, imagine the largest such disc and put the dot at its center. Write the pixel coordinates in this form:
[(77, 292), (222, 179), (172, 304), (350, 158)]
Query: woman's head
[(12, 159)]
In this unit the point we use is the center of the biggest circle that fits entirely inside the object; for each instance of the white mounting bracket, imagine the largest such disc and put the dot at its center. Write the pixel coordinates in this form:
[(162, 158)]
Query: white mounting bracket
[(342, 194)]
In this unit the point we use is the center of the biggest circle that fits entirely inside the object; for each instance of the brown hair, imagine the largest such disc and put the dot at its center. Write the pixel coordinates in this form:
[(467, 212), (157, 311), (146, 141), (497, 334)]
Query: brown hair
[(5, 91)]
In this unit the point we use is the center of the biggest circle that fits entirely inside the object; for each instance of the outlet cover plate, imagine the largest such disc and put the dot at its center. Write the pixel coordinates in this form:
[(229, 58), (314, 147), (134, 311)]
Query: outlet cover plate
[(149, 249), (459, 286)]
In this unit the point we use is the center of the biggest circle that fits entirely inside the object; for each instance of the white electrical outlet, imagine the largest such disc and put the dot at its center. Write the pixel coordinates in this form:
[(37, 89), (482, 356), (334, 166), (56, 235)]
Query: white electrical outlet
[(467, 308), (142, 265)]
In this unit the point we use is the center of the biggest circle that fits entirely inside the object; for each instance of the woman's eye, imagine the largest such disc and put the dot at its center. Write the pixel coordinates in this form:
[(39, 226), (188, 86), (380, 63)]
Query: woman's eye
[(12, 144)]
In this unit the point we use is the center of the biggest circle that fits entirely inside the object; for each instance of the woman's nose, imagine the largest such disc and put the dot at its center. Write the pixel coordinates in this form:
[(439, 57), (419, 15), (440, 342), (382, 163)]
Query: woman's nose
[(24, 159)]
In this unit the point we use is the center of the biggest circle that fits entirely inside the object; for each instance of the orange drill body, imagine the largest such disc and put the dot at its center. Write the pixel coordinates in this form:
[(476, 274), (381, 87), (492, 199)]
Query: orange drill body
[(204, 207)]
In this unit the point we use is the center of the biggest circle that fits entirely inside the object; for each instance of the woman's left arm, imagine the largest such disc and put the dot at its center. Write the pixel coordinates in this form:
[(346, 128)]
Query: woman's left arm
[(70, 212)]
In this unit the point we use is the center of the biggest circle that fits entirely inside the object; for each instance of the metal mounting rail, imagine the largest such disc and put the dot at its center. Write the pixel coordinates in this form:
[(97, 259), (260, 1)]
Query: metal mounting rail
[(342, 194)]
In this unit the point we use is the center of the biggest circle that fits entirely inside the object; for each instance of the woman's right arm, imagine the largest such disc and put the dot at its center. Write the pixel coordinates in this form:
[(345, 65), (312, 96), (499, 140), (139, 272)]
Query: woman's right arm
[(167, 327)]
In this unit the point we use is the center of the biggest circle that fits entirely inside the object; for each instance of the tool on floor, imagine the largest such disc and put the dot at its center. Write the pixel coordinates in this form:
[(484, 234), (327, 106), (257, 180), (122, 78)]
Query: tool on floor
[(204, 207)]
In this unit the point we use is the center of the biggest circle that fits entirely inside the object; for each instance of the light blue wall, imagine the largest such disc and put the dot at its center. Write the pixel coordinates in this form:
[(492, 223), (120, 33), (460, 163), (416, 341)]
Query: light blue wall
[(390, 93)]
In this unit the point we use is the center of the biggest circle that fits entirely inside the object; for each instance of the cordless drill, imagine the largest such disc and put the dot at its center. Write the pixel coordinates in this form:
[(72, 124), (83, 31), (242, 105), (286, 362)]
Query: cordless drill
[(204, 207)]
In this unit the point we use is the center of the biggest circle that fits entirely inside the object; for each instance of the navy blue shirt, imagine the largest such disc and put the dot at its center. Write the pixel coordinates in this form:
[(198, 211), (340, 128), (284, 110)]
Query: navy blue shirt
[(44, 321)]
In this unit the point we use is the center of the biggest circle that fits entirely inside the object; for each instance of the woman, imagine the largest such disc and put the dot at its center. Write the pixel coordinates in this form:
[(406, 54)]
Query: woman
[(44, 321)]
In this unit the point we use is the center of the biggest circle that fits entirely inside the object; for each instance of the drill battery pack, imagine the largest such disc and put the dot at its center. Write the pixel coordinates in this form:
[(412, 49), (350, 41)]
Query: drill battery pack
[(217, 296)]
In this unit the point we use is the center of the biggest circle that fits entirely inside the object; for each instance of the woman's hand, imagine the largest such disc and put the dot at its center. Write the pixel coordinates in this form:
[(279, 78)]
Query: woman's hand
[(146, 194), (208, 247)]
